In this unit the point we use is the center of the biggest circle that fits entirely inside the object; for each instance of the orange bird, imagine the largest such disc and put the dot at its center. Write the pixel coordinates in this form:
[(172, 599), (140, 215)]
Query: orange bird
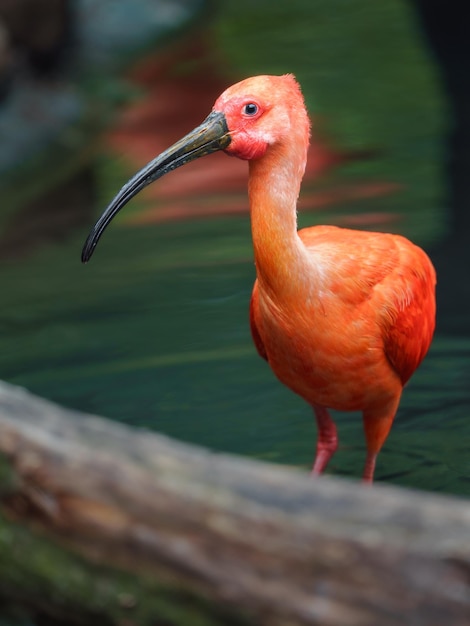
[(343, 317)]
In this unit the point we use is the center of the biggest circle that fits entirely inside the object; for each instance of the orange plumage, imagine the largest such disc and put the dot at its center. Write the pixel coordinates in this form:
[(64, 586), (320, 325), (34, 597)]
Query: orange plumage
[(343, 317), (355, 344)]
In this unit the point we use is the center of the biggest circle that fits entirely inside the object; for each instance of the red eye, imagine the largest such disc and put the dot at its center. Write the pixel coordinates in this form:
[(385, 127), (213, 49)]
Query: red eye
[(250, 109)]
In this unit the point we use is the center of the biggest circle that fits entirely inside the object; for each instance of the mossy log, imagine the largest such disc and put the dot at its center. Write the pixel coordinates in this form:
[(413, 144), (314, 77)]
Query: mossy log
[(106, 524)]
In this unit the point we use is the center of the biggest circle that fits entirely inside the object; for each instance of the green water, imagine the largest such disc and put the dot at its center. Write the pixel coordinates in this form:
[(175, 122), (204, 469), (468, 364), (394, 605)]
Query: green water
[(154, 332)]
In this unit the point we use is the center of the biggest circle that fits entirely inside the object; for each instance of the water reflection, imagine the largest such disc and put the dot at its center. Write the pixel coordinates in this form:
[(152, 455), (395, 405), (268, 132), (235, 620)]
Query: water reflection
[(160, 339)]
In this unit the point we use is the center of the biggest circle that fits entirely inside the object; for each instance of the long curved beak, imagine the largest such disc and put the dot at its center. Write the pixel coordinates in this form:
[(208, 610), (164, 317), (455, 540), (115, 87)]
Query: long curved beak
[(210, 136)]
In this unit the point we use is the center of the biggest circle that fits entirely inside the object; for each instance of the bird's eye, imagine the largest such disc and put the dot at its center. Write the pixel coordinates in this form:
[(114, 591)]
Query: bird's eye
[(250, 109)]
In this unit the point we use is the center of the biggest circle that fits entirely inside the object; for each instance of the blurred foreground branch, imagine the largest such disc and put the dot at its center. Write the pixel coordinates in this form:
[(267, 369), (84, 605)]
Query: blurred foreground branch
[(105, 524)]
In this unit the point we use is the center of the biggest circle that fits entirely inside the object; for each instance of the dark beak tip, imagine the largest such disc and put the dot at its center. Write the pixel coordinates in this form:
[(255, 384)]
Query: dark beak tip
[(87, 253), (210, 136)]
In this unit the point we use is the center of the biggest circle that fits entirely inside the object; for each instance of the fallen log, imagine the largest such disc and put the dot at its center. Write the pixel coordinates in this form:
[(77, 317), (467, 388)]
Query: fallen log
[(113, 525)]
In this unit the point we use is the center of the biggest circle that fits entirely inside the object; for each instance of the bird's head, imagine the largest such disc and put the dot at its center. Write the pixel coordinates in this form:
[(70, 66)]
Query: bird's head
[(262, 111), (247, 119)]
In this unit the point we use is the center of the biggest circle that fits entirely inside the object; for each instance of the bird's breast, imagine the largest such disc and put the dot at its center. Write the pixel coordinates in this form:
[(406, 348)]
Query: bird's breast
[(323, 350)]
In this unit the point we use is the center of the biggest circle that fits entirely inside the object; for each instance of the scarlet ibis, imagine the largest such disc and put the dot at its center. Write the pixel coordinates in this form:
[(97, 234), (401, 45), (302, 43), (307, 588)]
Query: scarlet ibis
[(343, 317)]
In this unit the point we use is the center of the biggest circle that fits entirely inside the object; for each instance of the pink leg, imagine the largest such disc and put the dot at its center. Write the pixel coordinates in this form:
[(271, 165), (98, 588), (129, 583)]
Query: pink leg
[(377, 424), (369, 468), (327, 440)]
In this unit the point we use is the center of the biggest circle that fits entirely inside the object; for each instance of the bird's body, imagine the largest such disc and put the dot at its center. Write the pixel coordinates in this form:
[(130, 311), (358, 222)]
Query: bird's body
[(353, 330), (350, 334), (343, 317)]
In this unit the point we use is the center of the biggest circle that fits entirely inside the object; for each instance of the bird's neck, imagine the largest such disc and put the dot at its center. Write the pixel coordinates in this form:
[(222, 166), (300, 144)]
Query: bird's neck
[(274, 185)]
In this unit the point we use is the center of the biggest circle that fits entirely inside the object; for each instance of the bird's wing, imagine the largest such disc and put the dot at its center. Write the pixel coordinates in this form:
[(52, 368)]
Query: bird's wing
[(254, 303), (408, 311), (390, 277)]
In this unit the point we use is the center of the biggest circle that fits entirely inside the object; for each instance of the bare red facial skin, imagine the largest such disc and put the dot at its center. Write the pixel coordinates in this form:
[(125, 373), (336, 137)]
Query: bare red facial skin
[(247, 142)]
